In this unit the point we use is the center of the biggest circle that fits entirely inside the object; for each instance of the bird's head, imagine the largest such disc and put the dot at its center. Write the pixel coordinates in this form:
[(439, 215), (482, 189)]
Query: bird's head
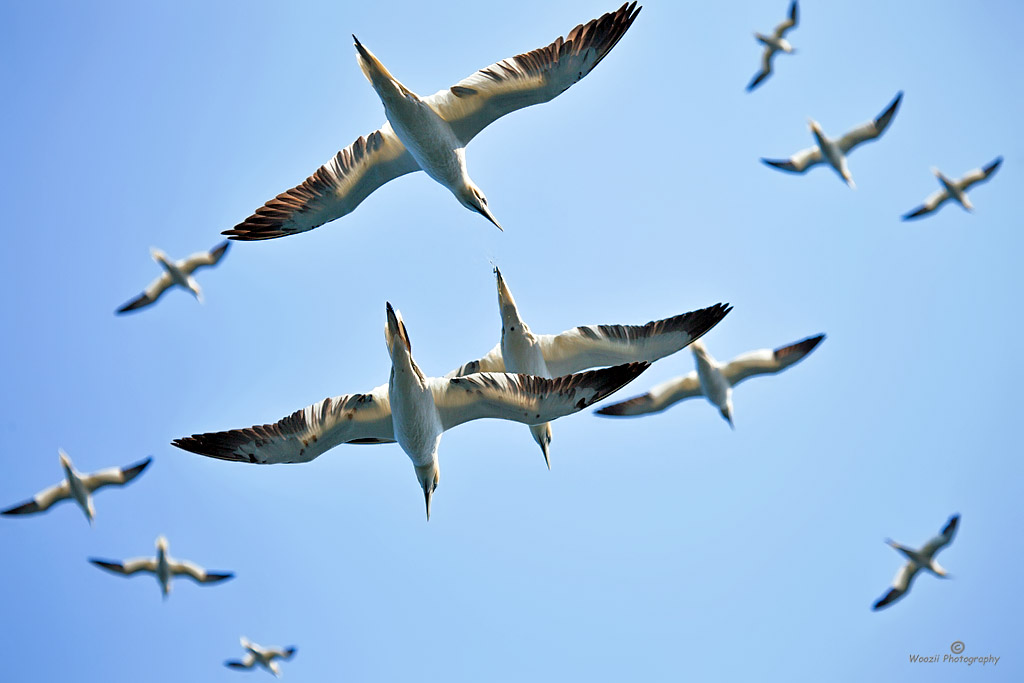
[(428, 477), (395, 334), (472, 197), (507, 304), (65, 461), (161, 543)]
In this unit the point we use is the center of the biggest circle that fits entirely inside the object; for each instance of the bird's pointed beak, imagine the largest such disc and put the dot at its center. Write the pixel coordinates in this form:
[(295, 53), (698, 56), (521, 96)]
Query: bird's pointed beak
[(490, 216), (544, 448), (427, 495), (850, 183)]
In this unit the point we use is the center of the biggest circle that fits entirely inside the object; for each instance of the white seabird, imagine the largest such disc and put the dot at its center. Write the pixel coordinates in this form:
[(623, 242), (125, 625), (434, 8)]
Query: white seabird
[(834, 151), (412, 409), (164, 567), (954, 189), (551, 355), (916, 561), (262, 656), (776, 42), (78, 487), (431, 133), (176, 273), (714, 380)]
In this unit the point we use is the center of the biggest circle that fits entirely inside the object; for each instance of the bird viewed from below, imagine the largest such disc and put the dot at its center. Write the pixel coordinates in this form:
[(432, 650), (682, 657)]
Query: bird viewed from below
[(916, 561), (176, 273), (164, 567), (551, 355), (834, 151), (713, 380), (412, 409), (78, 487), (431, 133), (776, 42), (954, 189), (265, 657)]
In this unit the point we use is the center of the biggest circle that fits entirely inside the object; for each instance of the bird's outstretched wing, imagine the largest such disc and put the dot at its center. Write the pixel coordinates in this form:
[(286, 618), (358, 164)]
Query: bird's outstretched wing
[(872, 129), (768, 361), (305, 434), (42, 500), (334, 190), (247, 662), (799, 162), (594, 346), (150, 295), (790, 22), (204, 258), (114, 476), (526, 398), (933, 202), (531, 78), (900, 585), (980, 175), (197, 573), (944, 538), (128, 567), (659, 398), (766, 68)]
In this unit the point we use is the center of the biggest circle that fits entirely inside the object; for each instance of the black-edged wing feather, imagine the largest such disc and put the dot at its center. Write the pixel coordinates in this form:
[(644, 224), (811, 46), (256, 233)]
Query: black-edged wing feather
[(531, 78), (303, 435), (334, 190)]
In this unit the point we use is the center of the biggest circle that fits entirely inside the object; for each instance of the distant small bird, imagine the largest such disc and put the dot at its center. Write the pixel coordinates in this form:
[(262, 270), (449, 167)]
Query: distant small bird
[(431, 133), (413, 409), (714, 380), (548, 355), (916, 561), (772, 44), (176, 273), (262, 656), (78, 487), (164, 567), (954, 189), (835, 150)]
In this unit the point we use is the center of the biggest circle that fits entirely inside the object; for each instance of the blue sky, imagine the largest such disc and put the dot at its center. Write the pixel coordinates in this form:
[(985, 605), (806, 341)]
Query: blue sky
[(663, 548)]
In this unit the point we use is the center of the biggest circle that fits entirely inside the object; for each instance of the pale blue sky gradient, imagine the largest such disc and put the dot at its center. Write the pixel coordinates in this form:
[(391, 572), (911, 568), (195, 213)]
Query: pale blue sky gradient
[(661, 549)]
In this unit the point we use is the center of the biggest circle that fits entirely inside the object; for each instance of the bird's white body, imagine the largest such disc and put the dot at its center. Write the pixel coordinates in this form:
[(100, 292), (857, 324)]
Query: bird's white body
[(713, 383), (178, 275), (833, 153), (79, 491), (775, 43), (265, 657)]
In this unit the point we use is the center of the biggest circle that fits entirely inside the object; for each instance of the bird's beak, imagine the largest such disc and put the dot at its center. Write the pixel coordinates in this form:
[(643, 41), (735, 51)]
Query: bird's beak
[(504, 296), (547, 459), (486, 213), (427, 494)]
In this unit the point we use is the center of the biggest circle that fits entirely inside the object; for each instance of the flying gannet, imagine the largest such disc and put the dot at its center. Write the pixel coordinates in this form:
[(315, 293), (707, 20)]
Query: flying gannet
[(176, 273), (431, 133), (412, 409), (261, 656), (776, 42), (78, 487), (713, 380), (164, 567), (916, 561), (835, 150), (954, 189), (551, 355)]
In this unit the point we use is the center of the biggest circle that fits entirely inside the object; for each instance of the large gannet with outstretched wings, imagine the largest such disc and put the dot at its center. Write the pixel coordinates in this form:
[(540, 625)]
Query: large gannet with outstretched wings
[(412, 409), (581, 348), (431, 133)]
